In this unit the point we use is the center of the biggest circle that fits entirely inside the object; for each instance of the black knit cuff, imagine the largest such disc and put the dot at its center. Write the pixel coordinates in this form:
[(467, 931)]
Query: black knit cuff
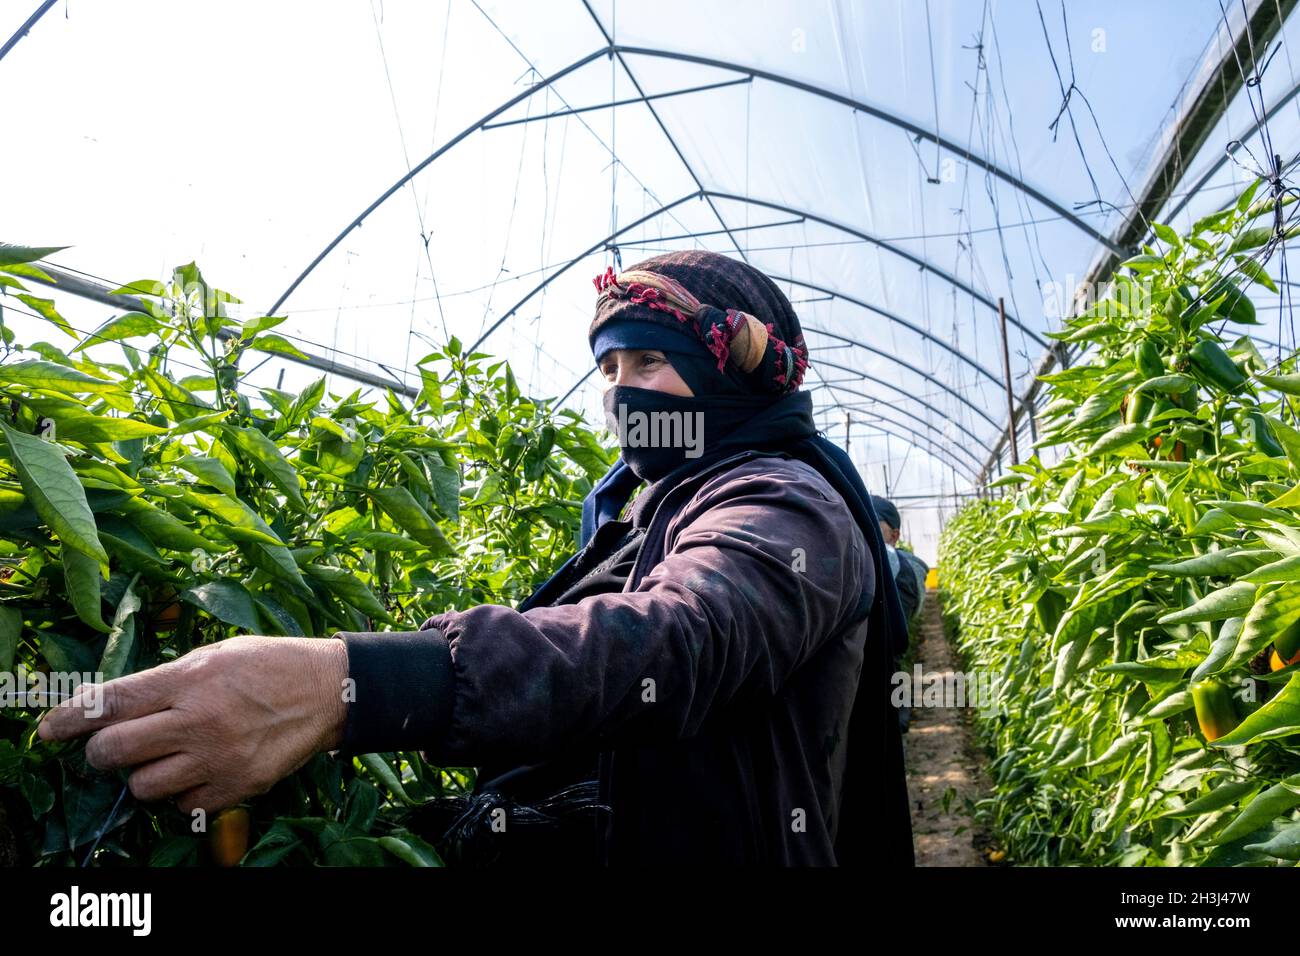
[(403, 690)]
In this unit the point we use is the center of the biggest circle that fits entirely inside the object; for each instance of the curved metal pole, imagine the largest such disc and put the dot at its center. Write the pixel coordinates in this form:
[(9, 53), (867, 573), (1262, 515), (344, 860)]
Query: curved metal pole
[(916, 260), (923, 444), (1228, 153), (540, 85), (888, 117), (920, 401), (907, 365), (928, 448), (917, 440), (929, 337), (573, 262), (26, 27), (705, 193), (925, 436)]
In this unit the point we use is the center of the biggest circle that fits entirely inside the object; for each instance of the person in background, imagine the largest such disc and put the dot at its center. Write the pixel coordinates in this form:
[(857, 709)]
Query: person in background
[(909, 576), (911, 587)]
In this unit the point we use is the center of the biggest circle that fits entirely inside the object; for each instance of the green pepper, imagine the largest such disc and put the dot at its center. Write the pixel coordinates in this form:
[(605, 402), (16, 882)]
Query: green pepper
[(1139, 406), (1159, 407), (1287, 643), (1265, 440), (1049, 607), (1215, 366), (1191, 438), (1214, 709), (1147, 359), (1237, 307)]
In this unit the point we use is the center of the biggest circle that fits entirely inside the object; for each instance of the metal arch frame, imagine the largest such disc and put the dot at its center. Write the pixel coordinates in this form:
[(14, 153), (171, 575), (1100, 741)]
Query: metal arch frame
[(929, 447), (881, 114), (792, 211), (917, 440), (424, 163), (916, 260), (907, 365), (615, 49), (928, 336), (23, 30), (863, 377), (591, 250), (919, 436), (925, 446), (663, 128)]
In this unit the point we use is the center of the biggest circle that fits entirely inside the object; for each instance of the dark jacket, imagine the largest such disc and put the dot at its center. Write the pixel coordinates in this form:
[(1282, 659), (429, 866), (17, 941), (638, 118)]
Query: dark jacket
[(716, 686)]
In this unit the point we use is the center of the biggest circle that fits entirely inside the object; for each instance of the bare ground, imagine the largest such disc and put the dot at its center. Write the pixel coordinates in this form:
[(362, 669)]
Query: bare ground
[(941, 756)]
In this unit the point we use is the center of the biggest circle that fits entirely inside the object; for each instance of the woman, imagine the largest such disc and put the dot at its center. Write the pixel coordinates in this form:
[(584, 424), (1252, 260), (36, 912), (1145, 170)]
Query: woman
[(715, 660)]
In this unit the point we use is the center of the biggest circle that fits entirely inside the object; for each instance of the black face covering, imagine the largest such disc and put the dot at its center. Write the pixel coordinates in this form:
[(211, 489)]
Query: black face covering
[(659, 432)]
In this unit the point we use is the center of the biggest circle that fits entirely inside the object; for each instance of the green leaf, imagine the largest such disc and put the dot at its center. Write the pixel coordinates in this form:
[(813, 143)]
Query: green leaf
[(260, 324), (11, 626), (45, 308), (127, 326), (237, 520), (384, 541), (1119, 437), (1285, 844), (82, 578), (227, 601), (1287, 569), (1280, 717), (75, 423), (50, 375), (446, 489), (266, 457), (277, 345), (1174, 384), (164, 529), (1289, 384), (1224, 795), (87, 802), (384, 774), (1234, 600), (13, 255), (1226, 562), (1273, 613), (51, 485), (122, 638), (177, 403), (1269, 805), (402, 507), (274, 846), (209, 471), (409, 848), (350, 589)]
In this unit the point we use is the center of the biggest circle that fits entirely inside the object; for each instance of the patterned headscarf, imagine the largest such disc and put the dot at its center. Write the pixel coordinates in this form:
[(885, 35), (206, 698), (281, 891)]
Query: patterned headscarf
[(736, 311)]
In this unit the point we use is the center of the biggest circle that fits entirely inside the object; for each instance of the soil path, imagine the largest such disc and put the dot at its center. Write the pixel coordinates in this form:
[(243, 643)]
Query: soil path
[(942, 755)]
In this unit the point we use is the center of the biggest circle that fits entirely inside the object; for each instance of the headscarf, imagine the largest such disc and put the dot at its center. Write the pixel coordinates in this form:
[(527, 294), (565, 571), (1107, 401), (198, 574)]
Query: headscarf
[(732, 334)]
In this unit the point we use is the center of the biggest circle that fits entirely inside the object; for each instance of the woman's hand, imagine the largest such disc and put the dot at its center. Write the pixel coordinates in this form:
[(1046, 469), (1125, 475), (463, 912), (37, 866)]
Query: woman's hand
[(220, 724)]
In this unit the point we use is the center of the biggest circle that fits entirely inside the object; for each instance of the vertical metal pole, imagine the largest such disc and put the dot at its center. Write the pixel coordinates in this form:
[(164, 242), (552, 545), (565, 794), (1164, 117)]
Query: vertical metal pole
[(1011, 398)]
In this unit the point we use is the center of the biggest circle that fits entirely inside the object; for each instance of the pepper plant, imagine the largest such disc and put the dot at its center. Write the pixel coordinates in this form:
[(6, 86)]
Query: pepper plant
[(1139, 597), (149, 504)]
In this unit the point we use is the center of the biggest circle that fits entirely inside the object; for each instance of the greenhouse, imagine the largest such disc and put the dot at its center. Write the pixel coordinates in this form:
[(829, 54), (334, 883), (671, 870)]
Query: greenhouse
[(491, 434)]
